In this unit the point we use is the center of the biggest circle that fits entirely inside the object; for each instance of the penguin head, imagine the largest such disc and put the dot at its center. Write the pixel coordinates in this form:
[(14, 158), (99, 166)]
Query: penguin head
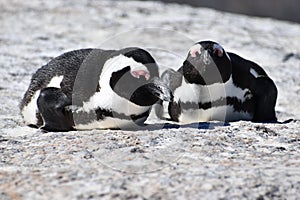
[(207, 63), (131, 75)]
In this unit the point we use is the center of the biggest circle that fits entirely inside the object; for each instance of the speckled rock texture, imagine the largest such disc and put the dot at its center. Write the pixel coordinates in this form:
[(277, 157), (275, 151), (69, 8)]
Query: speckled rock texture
[(240, 160)]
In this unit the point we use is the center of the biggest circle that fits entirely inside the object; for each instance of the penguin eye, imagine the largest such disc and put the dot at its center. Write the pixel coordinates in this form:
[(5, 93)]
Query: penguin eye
[(195, 50), (217, 50)]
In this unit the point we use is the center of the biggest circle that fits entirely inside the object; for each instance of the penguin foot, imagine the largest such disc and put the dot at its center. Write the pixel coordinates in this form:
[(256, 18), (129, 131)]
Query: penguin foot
[(51, 104)]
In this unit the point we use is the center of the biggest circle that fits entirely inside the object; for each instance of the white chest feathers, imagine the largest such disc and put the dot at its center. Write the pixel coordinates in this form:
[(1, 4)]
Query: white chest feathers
[(194, 94), (107, 99)]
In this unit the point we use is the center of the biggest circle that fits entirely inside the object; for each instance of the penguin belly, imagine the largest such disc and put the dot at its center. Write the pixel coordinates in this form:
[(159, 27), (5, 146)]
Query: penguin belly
[(107, 110), (219, 101)]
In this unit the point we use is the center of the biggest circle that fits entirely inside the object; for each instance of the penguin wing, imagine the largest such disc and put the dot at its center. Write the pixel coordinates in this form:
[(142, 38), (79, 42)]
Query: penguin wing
[(86, 82), (65, 65), (247, 74), (142, 56), (239, 63)]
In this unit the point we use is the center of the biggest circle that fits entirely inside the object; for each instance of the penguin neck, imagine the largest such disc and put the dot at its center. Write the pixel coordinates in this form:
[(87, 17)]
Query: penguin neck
[(191, 74), (211, 75)]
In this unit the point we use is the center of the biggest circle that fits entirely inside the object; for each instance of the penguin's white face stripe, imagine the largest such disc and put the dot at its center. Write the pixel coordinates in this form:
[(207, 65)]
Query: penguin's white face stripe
[(30, 110), (254, 73), (55, 81), (119, 62), (207, 93), (107, 98)]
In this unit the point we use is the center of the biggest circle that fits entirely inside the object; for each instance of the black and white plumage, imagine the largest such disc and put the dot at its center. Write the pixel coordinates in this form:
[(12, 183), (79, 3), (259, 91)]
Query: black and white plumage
[(213, 84), (93, 89)]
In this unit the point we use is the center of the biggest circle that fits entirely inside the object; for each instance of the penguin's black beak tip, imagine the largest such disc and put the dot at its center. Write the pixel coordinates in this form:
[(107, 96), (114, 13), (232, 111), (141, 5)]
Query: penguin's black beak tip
[(161, 90)]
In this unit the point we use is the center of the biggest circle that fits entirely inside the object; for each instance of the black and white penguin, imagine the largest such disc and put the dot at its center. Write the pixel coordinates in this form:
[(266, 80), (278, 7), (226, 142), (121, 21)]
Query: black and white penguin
[(94, 89), (213, 84)]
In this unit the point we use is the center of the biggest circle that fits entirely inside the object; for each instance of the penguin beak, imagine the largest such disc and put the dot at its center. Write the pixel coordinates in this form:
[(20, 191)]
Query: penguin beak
[(159, 89), (205, 56)]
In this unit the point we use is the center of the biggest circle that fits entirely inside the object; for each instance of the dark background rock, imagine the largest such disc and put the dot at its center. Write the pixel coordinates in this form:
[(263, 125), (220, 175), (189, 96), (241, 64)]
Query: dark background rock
[(278, 9)]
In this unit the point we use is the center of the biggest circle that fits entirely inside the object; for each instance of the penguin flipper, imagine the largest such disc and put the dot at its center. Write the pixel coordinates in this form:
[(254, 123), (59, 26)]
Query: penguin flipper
[(52, 104), (265, 95)]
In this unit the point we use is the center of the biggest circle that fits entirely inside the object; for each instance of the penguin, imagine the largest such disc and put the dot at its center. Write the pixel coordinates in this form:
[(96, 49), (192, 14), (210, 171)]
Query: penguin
[(94, 89), (213, 84)]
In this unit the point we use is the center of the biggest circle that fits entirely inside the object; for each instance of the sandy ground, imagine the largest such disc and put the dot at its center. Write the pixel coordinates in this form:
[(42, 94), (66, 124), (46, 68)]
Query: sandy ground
[(240, 160)]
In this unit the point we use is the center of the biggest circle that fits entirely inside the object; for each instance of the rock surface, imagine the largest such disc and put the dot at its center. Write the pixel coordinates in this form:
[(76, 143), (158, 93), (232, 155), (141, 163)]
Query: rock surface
[(240, 160)]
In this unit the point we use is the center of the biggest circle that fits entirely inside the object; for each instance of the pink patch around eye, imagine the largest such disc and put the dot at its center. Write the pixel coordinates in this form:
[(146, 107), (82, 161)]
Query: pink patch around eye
[(138, 73), (194, 50), (193, 53), (218, 51)]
